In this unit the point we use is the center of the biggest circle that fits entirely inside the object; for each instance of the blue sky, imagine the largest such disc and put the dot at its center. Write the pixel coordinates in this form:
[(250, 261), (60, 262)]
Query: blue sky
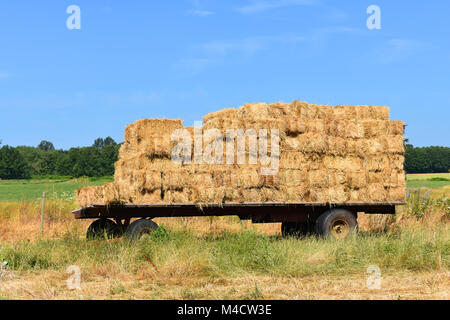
[(183, 59)]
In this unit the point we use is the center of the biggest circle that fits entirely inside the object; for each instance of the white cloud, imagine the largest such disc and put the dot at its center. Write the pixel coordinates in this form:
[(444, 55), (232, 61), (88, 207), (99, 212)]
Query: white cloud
[(263, 5), (200, 13), (198, 10)]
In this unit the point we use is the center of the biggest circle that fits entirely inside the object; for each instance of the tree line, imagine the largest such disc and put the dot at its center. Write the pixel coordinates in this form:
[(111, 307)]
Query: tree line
[(427, 159), (98, 160), (23, 162)]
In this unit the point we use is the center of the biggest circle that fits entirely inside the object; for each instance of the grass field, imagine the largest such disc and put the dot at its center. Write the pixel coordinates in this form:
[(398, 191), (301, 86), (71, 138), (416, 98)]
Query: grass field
[(225, 258), (18, 190), (438, 183)]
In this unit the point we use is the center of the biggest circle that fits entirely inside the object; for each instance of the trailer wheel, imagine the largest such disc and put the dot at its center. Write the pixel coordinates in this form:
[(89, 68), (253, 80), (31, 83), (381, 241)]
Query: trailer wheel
[(140, 227), (294, 229), (103, 228), (336, 223)]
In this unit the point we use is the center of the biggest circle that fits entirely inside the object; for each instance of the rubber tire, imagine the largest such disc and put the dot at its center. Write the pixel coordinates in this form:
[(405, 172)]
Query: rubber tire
[(294, 229), (140, 227), (101, 228), (326, 219)]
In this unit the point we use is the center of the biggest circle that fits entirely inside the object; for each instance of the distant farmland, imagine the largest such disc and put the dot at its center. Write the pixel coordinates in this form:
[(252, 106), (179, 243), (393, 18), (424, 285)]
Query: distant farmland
[(18, 190)]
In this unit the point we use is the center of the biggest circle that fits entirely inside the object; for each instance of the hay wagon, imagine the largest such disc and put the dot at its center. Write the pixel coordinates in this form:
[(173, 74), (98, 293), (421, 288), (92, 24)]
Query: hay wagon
[(336, 220), (326, 165)]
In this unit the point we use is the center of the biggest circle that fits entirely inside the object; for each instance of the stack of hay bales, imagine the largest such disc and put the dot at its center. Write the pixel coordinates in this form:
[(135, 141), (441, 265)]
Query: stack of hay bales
[(327, 154)]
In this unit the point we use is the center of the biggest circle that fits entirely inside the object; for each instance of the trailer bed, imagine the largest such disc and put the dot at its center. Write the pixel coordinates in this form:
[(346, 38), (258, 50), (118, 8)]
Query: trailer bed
[(256, 211)]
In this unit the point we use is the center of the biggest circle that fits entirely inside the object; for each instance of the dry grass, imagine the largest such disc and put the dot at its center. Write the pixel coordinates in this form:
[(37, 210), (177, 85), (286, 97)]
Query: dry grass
[(51, 285), (224, 258)]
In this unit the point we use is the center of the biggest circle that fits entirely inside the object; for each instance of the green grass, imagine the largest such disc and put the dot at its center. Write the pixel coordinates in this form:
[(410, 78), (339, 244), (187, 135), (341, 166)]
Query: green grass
[(427, 176), (430, 181), (56, 187), (237, 254)]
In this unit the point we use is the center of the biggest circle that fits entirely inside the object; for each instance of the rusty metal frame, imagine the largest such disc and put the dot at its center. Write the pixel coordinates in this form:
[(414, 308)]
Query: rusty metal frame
[(255, 211)]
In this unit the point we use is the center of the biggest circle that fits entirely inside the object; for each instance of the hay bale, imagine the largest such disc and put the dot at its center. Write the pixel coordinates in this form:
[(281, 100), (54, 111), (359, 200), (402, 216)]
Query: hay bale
[(356, 179), (306, 143), (147, 128), (327, 154), (342, 163), (229, 113), (262, 110)]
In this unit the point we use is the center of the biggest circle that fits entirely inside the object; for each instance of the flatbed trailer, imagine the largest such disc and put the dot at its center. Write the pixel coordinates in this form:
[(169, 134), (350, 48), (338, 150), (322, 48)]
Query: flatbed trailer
[(337, 220)]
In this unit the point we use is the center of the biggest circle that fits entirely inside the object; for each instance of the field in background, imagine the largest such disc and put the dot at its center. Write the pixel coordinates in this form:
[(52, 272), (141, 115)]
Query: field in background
[(438, 183), (56, 187)]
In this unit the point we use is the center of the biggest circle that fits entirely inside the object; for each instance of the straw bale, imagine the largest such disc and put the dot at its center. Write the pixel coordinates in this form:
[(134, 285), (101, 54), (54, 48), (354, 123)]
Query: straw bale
[(393, 144), (396, 161), (360, 112), (327, 154), (356, 178), (204, 179), (309, 111), (308, 142), (395, 128), (90, 195), (251, 195), (262, 110), (378, 177), (336, 146), (223, 124), (329, 195), (150, 127), (246, 177), (224, 113), (376, 192), (376, 162), (342, 163), (293, 160), (201, 194), (318, 179), (176, 179), (373, 128), (294, 194), (111, 193), (293, 177), (379, 113), (177, 196), (150, 197), (396, 194)]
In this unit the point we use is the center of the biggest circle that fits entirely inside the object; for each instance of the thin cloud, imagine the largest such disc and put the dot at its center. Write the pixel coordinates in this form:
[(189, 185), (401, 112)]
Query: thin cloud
[(191, 67), (212, 53), (398, 49), (247, 46), (4, 75), (263, 5), (198, 10), (200, 13)]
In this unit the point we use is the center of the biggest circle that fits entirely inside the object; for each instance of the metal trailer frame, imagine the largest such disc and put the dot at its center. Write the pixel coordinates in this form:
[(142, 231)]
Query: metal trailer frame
[(258, 212)]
